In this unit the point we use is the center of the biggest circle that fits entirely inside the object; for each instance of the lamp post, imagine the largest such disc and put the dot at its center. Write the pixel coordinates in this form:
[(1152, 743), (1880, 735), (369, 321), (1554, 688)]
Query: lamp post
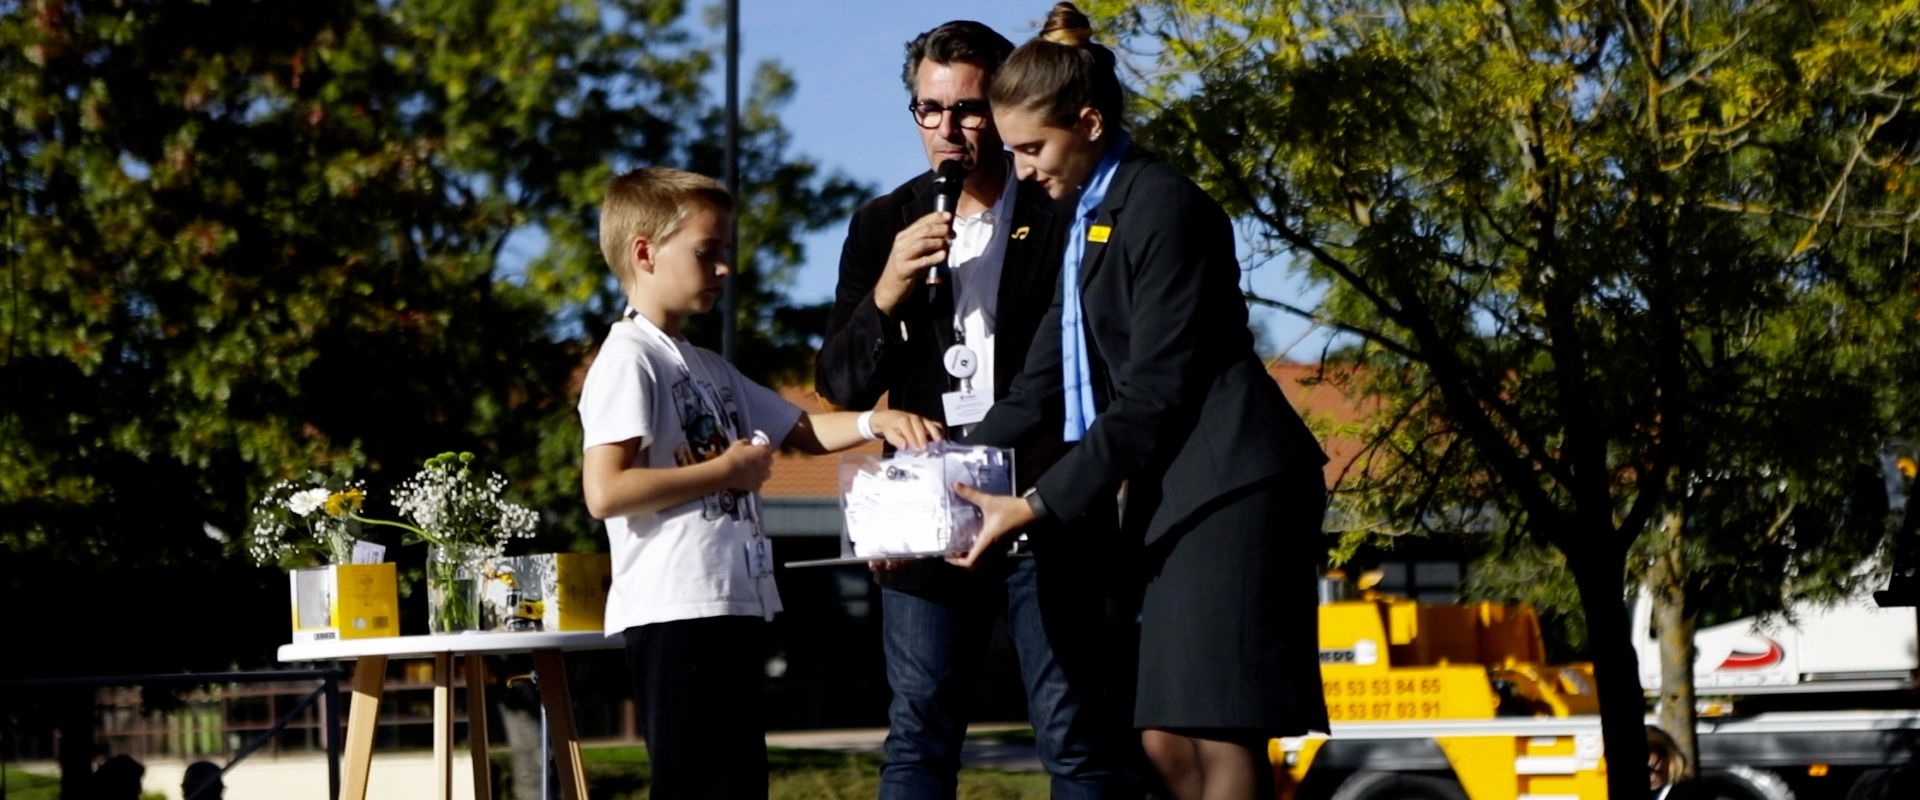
[(732, 176)]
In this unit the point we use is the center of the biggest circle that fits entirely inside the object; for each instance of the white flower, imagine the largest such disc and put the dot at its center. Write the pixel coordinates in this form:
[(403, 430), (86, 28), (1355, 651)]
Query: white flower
[(304, 503), (292, 524), (450, 504)]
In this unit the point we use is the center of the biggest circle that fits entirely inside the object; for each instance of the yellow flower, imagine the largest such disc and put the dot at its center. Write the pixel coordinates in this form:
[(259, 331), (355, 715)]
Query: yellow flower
[(340, 504)]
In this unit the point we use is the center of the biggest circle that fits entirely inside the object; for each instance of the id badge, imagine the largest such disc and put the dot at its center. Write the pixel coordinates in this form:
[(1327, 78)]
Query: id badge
[(965, 407), (759, 557)]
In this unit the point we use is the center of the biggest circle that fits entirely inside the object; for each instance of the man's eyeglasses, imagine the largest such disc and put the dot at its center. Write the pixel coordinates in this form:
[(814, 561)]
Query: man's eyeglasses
[(968, 114)]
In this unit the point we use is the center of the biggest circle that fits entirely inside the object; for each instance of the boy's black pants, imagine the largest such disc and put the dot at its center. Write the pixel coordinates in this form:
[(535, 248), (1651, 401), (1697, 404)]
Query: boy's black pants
[(700, 684)]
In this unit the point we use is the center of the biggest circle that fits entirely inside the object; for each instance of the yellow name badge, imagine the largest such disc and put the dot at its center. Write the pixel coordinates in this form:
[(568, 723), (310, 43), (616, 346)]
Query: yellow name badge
[(1098, 233)]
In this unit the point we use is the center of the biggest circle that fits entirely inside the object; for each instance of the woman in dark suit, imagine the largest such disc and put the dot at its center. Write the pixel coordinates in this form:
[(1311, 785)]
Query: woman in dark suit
[(1147, 352)]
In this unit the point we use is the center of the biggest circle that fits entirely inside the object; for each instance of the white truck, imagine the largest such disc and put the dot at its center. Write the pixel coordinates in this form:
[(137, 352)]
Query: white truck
[(1820, 702), (1455, 702)]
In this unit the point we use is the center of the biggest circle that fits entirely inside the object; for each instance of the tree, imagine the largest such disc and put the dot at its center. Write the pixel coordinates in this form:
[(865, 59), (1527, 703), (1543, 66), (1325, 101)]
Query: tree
[(246, 239), (1576, 240)]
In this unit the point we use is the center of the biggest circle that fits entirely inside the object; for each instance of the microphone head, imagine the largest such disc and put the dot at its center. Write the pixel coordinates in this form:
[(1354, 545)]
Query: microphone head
[(947, 183)]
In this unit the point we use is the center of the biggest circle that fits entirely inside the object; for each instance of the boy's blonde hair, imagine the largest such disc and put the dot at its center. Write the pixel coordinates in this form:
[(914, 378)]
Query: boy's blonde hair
[(1673, 763), (651, 202)]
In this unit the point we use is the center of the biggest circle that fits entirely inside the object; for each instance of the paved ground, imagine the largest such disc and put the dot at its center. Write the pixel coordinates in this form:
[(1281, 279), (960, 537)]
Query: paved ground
[(409, 775)]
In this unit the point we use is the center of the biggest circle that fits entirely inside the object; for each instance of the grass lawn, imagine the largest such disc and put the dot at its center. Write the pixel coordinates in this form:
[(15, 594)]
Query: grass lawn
[(31, 786), (620, 773), (34, 786)]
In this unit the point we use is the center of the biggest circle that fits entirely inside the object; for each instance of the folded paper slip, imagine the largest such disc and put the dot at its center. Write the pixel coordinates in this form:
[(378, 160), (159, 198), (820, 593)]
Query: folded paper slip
[(903, 505)]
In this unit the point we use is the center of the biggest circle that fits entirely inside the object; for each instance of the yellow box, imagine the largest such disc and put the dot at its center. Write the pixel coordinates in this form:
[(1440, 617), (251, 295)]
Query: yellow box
[(344, 601), (546, 592)]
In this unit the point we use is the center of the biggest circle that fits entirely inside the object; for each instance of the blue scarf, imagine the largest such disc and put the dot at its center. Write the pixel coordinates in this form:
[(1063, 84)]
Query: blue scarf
[(1076, 380)]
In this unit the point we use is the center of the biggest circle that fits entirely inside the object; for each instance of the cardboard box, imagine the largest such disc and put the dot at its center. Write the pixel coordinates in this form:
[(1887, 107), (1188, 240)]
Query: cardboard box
[(546, 592), (344, 601)]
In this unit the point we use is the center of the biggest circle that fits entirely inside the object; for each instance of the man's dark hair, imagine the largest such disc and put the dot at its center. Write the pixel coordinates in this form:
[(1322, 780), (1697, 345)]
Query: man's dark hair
[(959, 40)]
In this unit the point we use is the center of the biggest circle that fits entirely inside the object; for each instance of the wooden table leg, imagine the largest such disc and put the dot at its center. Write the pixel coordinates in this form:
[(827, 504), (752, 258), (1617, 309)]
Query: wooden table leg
[(551, 668), (443, 726), (477, 727), (363, 716)]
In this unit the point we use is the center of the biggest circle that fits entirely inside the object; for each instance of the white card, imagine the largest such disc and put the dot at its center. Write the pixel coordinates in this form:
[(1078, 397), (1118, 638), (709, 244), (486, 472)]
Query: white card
[(965, 407), (368, 552), (759, 557)]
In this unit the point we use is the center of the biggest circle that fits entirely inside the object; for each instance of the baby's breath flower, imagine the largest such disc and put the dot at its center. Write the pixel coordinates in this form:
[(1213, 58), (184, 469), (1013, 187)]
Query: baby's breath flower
[(454, 506), (447, 502), (285, 509)]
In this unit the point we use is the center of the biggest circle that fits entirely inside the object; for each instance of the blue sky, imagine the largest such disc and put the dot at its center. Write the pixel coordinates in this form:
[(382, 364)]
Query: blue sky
[(848, 111)]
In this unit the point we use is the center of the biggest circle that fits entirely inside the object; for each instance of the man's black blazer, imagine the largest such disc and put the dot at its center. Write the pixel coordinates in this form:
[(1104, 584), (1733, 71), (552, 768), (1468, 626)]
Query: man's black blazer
[(1187, 411), (867, 354)]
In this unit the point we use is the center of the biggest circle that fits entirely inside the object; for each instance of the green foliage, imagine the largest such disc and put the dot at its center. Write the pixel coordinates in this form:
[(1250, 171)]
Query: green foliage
[(1605, 264), (247, 239), (1600, 260), (1521, 570)]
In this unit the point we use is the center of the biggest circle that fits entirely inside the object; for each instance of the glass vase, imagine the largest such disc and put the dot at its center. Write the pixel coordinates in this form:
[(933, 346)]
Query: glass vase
[(453, 588)]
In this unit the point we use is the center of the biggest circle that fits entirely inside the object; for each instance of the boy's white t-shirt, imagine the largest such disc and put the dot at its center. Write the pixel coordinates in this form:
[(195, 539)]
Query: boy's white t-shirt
[(685, 405)]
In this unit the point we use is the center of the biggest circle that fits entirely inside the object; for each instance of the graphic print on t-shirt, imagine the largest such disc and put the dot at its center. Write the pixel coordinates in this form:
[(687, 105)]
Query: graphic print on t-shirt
[(707, 437)]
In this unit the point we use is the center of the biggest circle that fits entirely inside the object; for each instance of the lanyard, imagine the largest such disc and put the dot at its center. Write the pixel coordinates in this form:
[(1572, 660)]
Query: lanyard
[(702, 384)]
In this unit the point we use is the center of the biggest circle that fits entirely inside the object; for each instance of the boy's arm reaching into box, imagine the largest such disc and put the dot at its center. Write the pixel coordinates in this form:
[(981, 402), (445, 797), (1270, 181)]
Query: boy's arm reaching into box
[(824, 432)]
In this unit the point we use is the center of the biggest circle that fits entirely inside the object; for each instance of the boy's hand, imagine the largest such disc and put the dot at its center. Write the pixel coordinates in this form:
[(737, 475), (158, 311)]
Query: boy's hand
[(915, 248), (748, 465), (1004, 515), (906, 431)]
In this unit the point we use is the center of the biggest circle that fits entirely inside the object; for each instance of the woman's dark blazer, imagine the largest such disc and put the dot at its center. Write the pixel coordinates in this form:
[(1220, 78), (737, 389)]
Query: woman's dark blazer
[(1187, 411)]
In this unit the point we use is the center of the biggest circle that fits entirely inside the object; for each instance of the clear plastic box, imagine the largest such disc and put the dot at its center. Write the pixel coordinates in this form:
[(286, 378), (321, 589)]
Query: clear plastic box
[(903, 505)]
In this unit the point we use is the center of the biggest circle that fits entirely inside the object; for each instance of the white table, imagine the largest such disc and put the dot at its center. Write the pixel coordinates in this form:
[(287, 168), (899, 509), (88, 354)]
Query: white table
[(370, 678)]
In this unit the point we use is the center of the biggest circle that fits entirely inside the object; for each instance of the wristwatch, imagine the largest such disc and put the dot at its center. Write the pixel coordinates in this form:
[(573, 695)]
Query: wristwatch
[(1034, 502)]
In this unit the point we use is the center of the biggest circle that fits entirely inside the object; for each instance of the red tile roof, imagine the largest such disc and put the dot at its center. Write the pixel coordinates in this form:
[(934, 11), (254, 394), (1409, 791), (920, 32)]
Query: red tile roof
[(1319, 400), (801, 475), (1315, 392)]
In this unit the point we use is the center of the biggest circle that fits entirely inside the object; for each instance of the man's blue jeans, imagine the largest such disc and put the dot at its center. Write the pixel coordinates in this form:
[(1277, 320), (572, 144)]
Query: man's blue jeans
[(933, 635)]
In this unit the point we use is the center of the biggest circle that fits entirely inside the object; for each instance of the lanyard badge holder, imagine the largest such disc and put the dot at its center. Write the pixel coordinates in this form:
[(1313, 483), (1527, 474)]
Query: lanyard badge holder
[(759, 548), (962, 405)]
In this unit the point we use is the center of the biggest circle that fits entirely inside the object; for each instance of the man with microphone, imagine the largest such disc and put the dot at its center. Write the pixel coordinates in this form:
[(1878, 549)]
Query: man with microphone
[(942, 284)]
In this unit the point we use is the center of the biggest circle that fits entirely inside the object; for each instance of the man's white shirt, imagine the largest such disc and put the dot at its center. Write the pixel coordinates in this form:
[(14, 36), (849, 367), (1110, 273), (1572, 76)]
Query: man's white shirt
[(975, 259)]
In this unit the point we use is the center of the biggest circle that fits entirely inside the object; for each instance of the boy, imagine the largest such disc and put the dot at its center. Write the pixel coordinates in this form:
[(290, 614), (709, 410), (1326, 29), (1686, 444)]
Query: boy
[(677, 444)]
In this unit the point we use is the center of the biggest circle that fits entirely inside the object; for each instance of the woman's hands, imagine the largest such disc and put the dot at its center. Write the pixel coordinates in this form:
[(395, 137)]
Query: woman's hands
[(1005, 515)]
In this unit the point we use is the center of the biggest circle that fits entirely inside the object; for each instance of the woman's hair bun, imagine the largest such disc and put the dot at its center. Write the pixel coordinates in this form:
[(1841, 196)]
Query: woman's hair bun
[(1067, 25)]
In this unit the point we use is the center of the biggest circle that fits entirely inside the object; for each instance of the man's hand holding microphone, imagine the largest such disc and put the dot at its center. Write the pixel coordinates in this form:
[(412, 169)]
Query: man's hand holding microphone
[(922, 246)]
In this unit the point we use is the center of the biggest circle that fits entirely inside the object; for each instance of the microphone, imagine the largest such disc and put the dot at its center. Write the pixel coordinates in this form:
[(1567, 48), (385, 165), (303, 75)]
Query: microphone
[(948, 180)]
